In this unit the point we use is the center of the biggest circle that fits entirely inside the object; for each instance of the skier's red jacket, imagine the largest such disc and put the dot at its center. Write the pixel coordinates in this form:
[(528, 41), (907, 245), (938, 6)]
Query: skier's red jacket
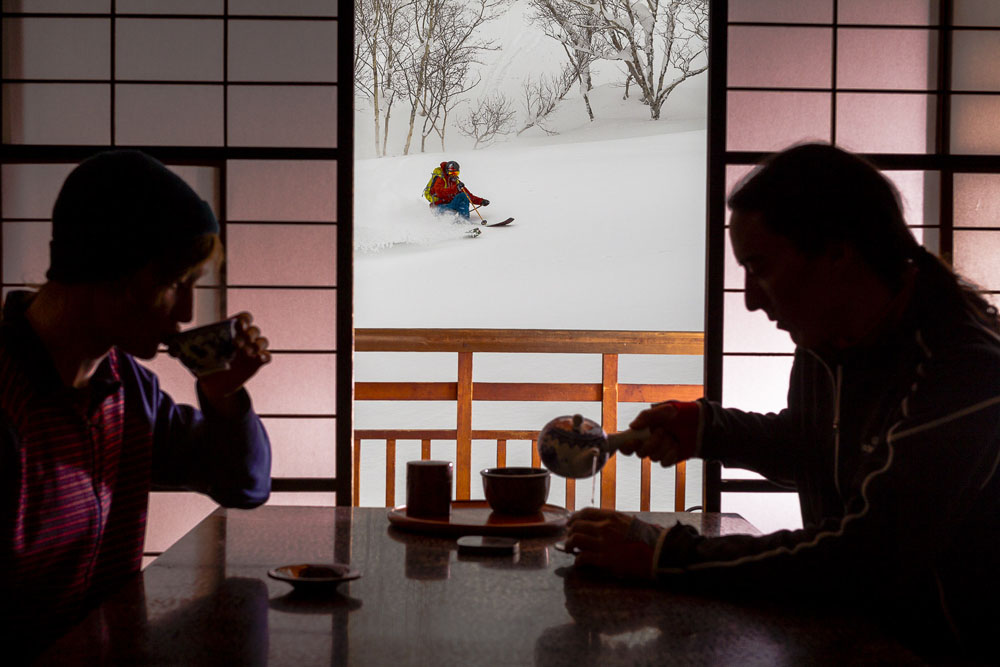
[(445, 188)]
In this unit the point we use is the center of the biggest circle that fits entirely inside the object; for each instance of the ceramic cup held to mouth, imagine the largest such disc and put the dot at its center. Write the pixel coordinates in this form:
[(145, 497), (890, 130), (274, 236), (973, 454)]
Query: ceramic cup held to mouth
[(516, 490), (207, 349)]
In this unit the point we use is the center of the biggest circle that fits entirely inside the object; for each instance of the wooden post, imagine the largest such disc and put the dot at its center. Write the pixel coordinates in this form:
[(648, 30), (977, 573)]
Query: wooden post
[(680, 483), (501, 453), (609, 421), (425, 450), (570, 494), (644, 486), (357, 472), (463, 488), (390, 473)]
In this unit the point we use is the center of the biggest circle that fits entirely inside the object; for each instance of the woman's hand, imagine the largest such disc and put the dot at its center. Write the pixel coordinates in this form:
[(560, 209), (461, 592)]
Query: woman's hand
[(613, 541), (673, 432)]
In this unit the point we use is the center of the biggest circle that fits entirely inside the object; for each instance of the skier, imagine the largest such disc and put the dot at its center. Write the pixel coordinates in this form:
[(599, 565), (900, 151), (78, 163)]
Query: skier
[(446, 193)]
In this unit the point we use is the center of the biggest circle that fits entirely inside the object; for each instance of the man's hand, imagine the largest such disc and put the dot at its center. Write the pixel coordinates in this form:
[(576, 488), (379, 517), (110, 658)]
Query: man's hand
[(613, 541), (251, 354), (486, 202), (673, 432)]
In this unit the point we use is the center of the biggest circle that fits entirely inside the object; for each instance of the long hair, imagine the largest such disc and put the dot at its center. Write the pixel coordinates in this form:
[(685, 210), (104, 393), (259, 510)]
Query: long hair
[(816, 195)]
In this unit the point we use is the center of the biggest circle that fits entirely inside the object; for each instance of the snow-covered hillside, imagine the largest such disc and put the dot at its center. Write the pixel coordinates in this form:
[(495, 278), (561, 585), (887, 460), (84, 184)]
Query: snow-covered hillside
[(609, 233)]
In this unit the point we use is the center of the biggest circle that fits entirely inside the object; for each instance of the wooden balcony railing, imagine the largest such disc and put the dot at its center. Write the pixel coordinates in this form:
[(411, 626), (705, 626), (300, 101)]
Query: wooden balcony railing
[(466, 342)]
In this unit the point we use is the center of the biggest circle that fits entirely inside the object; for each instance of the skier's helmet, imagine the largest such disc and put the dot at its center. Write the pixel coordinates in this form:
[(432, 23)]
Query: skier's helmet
[(452, 167)]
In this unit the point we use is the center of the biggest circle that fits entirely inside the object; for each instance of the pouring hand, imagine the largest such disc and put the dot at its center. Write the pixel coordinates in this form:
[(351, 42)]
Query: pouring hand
[(613, 541), (673, 432)]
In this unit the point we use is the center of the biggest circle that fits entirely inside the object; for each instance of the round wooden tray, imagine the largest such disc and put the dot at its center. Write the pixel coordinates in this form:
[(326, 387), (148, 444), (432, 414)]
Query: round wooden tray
[(474, 517)]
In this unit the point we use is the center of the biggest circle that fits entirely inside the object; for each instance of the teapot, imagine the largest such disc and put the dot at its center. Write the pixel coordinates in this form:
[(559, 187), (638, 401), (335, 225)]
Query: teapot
[(574, 446)]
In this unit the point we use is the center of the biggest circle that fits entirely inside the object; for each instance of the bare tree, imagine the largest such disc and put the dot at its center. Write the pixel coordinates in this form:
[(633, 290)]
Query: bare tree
[(493, 117), (653, 38), (382, 29), (570, 23), (543, 95), (443, 47)]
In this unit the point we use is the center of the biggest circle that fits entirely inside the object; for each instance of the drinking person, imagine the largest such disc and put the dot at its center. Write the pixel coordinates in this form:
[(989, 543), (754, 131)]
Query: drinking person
[(891, 435), (85, 431)]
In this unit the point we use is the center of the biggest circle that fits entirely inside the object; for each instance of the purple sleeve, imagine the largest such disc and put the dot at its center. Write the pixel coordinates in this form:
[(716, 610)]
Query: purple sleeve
[(226, 459)]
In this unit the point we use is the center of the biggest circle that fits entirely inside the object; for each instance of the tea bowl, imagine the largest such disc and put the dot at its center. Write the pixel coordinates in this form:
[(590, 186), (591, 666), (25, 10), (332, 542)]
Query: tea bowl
[(206, 349), (516, 490)]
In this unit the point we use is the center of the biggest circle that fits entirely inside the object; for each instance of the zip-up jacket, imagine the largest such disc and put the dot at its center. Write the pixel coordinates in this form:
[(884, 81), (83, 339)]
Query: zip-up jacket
[(893, 451), (76, 469), (444, 189)]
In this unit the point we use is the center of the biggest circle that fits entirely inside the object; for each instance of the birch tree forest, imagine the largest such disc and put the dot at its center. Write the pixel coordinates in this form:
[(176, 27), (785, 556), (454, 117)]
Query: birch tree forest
[(420, 60)]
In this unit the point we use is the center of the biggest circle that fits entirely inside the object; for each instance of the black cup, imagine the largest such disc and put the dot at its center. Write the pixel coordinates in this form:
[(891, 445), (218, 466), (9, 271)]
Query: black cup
[(428, 489)]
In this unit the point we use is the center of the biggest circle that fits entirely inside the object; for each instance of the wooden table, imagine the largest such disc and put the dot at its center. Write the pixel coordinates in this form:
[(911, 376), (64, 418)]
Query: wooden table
[(208, 600)]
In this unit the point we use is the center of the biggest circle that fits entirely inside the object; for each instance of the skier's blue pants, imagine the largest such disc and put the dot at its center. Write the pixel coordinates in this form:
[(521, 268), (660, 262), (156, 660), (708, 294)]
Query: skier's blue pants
[(459, 204)]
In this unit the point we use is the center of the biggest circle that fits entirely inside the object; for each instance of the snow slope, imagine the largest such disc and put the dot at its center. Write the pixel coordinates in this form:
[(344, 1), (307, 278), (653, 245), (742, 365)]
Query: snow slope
[(608, 234)]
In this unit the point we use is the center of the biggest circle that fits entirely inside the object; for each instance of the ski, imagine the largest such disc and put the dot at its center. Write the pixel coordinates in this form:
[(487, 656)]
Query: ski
[(499, 224)]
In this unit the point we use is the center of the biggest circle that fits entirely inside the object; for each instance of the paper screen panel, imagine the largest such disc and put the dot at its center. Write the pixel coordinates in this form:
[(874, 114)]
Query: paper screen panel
[(887, 59), (758, 384), (283, 51), (785, 11), (293, 255), (26, 252), (203, 180), (885, 123), (286, 8), (58, 6), (170, 6), (975, 58), (888, 12), (976, 12), (768, 512), (770, 121), (746, 331), (292, 116), (168, 49), (151, 115), (56, 48), (974, 125), (171, 515), (56, 113), (920, 194), (175, 380), (975, 257), (296, 384), (302, 447), (977, 200), (282, 190), (291, 319), (29, 190), (779, 57), (734, 275)]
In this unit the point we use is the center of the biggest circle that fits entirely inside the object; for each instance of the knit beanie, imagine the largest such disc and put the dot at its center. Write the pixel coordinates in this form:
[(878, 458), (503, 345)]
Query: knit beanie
[(116, 212)]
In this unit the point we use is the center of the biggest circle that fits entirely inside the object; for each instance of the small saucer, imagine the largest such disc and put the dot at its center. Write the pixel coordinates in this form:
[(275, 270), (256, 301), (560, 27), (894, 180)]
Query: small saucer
[(314, 575)]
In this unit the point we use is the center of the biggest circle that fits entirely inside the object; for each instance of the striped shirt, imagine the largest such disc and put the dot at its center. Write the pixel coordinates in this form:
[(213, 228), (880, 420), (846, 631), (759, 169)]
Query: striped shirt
[(77, 466)]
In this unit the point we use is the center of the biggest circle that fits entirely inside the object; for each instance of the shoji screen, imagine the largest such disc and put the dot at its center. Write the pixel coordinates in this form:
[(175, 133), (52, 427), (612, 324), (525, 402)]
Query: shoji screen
[(912, 85), (241, 98)]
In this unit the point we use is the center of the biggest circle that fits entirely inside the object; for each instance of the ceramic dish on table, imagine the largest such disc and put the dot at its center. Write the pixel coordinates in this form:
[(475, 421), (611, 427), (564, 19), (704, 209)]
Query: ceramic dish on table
[(309, 576)]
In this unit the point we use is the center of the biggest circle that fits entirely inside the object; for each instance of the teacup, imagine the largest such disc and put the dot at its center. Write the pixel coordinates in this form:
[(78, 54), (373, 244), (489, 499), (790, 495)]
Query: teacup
[(516, 491), (207, 349)]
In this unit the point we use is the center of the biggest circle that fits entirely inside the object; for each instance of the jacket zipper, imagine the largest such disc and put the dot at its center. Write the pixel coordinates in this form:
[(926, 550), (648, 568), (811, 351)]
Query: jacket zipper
[(836, 380)]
